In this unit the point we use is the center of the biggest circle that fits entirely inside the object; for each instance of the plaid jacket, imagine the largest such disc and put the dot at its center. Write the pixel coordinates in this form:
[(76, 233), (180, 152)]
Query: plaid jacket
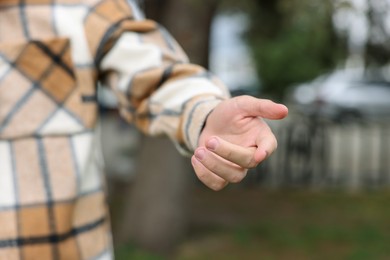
[(52, 54)]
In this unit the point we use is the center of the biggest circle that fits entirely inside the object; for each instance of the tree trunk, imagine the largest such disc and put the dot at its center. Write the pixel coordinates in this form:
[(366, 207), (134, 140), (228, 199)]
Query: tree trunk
[(189, 21), (153, 214)]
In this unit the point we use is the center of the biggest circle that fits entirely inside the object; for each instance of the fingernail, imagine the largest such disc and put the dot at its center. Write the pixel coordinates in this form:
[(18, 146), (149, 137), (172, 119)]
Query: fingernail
[(199, 154), (212, 144)]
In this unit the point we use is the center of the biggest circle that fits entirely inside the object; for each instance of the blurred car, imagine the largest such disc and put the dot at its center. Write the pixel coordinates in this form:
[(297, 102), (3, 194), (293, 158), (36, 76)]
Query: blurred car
[(342, 96)]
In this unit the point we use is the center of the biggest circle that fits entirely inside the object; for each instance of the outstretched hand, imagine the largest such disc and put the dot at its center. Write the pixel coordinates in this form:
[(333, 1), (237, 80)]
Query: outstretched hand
[(235, 139)]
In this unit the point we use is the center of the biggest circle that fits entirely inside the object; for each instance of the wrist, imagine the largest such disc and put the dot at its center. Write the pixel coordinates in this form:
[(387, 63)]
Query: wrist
[(196, 114)]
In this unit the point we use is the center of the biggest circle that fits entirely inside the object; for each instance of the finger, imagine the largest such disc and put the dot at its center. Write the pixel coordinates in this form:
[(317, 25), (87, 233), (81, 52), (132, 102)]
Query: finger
[(242, 156), (208, 178), (262, 107), (265, 147), (219, 166)]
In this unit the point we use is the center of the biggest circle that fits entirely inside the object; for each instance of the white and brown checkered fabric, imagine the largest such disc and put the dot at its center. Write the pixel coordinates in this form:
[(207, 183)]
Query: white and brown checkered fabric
[(52, 53)]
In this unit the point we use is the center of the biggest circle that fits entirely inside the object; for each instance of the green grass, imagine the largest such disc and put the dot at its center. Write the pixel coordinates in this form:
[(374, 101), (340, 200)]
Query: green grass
[(133, 253), (293, 224)]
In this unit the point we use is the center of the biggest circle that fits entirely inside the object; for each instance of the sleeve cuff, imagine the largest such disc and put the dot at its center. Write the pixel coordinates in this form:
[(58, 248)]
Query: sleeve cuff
[(195, 115)]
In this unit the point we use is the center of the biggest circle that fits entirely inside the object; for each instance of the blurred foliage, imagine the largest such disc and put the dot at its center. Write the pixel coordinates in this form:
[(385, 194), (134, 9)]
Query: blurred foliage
[(292, 40), (377, 48)]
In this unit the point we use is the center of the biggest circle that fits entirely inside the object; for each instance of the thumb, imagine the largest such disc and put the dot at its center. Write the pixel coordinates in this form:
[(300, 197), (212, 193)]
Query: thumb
[(262, 107)]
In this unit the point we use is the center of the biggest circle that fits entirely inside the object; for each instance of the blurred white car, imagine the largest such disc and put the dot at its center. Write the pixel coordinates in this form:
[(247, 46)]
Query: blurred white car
[(343, 96)]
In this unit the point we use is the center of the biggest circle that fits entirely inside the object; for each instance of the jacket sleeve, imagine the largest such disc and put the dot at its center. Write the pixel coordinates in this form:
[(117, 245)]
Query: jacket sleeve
[(156, 86)]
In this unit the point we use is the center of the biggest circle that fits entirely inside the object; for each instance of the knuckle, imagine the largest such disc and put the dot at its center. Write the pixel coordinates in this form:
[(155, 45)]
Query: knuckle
[(218, 185), (251, 163), (238, 177), (274, 142), (229, 154), (214, 167), (201, 175)]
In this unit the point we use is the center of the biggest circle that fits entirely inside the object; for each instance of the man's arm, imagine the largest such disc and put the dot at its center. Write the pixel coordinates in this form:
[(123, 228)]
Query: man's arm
[(156, 86), (162, 93)]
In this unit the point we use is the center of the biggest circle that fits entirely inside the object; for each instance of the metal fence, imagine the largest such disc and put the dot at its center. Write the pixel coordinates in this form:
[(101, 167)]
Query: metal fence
[(315, 152), (311, 152)]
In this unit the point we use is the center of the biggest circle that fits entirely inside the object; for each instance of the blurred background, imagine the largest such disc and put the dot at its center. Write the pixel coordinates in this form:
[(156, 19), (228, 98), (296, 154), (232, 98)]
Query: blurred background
[(324, 193)]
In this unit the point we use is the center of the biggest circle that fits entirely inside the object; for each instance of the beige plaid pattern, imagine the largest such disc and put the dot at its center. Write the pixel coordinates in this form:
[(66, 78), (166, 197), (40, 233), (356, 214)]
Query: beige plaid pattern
[(52, 53), (44, 89)]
